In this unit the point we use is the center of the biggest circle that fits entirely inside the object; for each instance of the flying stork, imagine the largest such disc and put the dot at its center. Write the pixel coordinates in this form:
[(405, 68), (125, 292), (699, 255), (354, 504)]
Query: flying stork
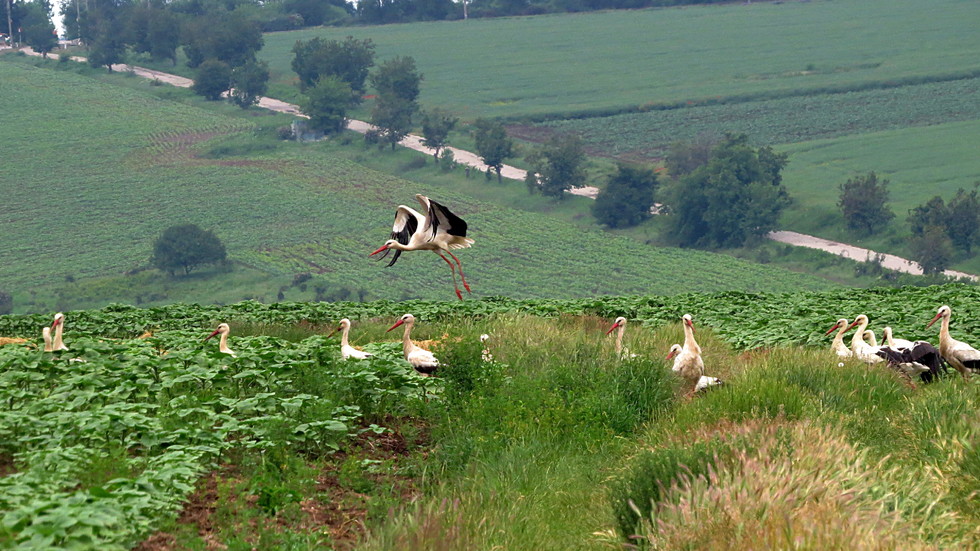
[(439, 231)]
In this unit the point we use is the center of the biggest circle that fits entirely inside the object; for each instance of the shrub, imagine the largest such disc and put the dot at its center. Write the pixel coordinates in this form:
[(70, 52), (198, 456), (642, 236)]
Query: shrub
[(6, 303)]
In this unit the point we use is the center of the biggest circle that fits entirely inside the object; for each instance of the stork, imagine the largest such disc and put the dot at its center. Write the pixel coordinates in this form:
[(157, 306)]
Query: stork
[(224, 330), (838, 345), (421, 359), (623, 353), (346, 350), (896, 343), (687, 363), (863, 350), (439, 231), (922, 359), (58, 325), (963, 357)]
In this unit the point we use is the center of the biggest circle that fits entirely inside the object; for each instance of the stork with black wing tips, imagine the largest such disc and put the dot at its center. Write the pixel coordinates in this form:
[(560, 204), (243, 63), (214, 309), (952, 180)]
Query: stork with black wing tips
[(439, 231)]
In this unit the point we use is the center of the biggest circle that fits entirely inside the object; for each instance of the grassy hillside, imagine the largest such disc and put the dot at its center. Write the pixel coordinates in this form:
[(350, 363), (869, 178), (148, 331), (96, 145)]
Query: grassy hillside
[(616, 59), (545, 447), (110, 167)]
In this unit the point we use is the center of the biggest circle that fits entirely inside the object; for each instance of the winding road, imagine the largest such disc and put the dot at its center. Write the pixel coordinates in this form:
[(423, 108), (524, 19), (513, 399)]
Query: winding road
[(469, 158)]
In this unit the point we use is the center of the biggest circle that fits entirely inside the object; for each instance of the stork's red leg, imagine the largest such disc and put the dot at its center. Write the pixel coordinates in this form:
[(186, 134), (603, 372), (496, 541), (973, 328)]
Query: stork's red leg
[(453, 270), (465, 284)]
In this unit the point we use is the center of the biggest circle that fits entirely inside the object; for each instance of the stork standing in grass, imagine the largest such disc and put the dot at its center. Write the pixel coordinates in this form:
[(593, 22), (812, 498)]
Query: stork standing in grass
[(439, 231), (963, 357), (346, 350), (838, 345), (620, 324), (862, 349), (421, 359), (687, 359), (223, 329)]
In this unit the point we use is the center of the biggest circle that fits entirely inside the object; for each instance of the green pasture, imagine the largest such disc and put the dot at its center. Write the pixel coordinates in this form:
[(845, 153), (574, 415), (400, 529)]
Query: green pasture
[(108, 168), (521, 66)]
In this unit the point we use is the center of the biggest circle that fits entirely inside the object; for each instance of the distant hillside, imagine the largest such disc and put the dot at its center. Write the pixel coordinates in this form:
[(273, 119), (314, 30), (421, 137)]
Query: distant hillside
[(109, 168)]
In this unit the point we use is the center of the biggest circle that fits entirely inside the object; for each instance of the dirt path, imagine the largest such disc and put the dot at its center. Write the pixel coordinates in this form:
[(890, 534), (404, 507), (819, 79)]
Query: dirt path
[(470, 159)]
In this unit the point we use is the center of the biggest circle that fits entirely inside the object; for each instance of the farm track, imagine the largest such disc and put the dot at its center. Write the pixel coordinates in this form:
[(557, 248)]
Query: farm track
[(470, 159)]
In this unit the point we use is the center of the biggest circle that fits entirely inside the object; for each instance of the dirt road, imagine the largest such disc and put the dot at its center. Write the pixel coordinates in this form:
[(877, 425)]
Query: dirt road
[(468, 158)]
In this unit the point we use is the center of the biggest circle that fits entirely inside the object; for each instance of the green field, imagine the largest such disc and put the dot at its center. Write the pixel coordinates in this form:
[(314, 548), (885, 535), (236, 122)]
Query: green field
[(524, 66), (165, 441), (112, 166)]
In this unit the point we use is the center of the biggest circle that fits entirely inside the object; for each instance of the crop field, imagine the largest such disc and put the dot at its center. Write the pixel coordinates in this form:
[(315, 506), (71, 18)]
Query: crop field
[(113, 179), (562, 64), (792, 120), (554, 443)]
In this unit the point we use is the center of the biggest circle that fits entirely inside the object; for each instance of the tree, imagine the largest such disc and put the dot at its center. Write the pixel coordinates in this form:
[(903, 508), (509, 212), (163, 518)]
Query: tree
[(684, 158), (864, 203), (232, 38), (349, 61), (493, 145), (559, 164), (186, 247), (932, 213), (963, 222), (249, 82), (932, 250), (213, 79), (39, 32), (326, 104), (627, 197), (739, 194), (436, 126), (397, 85), (104, 32)]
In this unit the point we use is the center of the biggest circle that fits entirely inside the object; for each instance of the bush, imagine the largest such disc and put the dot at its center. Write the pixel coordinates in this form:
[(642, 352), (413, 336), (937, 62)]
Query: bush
[(6, 303)]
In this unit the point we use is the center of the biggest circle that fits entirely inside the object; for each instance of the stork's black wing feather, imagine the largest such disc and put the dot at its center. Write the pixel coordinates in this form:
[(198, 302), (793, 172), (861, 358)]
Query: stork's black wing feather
[(403, 236), (441, 217)]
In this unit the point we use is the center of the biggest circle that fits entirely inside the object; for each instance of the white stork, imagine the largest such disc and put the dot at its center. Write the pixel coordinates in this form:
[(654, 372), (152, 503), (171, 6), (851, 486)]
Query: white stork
[(862, 349), (346, 350), (224, 330), (922, 359), (623, 353), (58, 325), (963, 357), (838, 345), (896, 343), (687, 363), (421, 359), (439, 231)]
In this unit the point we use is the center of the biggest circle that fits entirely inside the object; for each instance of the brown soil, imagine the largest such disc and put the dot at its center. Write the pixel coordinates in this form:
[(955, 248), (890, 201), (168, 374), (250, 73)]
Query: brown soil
[(335, 510), (6, 465)]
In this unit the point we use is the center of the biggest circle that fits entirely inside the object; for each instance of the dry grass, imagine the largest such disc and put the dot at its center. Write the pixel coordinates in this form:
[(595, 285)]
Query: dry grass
[(801, 486)]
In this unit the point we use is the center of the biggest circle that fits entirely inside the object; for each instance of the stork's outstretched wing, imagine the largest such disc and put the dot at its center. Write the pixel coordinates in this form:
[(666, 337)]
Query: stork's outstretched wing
[(440, 218)]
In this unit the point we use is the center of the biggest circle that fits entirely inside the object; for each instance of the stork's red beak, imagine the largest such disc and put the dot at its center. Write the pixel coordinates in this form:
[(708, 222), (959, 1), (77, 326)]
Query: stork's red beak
[(853, 324), (933, 320), (670, 354), (397, 323), (216, 331), (55, 323), (831, 330), (690, 324), (615, 325), (383, 247)]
